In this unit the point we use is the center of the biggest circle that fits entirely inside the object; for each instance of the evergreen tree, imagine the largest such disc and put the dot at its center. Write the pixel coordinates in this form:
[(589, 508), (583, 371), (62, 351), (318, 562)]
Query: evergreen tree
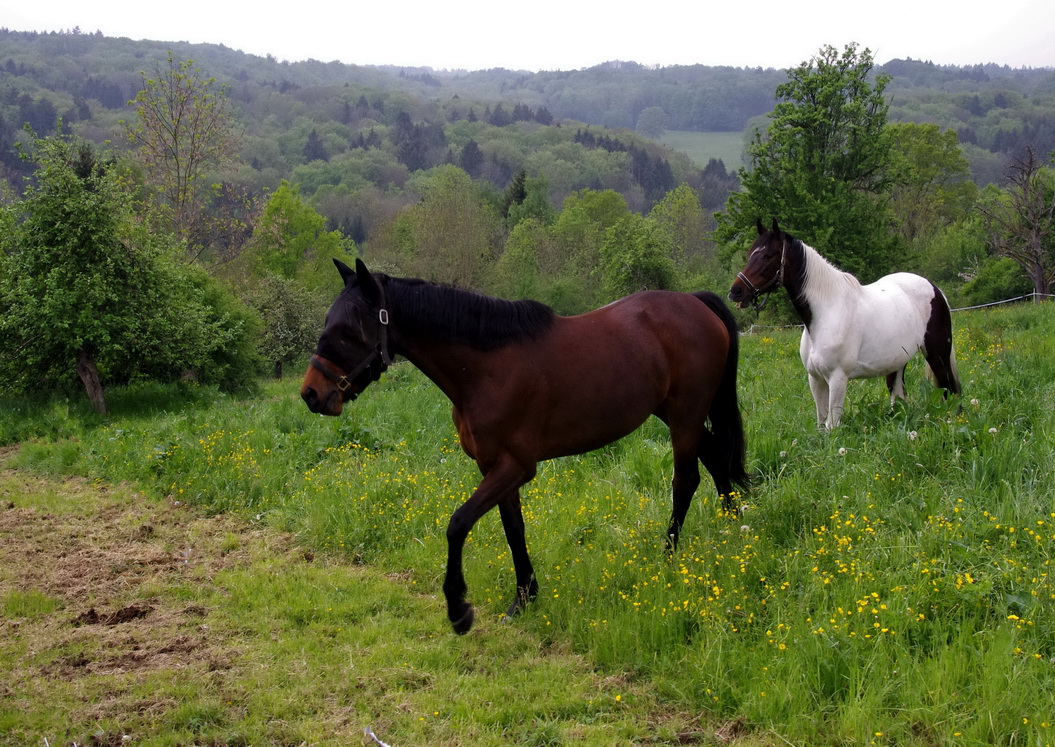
[(515, 193), (313, 148), (471, 159)]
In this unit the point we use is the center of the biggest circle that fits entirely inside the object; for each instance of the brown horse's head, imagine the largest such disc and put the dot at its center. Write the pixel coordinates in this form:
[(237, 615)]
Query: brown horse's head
[(764, 271), (353, 349)]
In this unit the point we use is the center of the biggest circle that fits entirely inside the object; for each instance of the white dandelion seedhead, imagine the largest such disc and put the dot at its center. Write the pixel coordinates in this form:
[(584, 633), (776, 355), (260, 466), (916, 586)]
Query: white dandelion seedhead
[(842, 451), (975, 402), (992, 430), (912, 435)]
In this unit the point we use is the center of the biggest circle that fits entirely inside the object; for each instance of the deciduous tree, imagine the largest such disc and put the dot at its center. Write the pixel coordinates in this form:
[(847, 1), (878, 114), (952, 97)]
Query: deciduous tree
[(452, 234), (681, 220), (823, 166), (290, 240), (183, 129), (652, 122), (89, 292), (932, 183), (635, 257), (1021, 220)]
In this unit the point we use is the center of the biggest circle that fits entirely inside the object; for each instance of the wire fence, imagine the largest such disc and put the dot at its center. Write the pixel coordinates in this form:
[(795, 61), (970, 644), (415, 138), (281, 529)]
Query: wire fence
[(1034, 296)]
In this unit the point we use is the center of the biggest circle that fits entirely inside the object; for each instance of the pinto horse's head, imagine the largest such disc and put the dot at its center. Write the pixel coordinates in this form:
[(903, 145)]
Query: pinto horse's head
[(353, 349), (764, 271)]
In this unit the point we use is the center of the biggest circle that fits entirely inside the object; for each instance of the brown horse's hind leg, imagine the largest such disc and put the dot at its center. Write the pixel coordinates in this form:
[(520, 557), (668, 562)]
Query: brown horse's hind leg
[(686, 480), (513, 524), (714, 458)]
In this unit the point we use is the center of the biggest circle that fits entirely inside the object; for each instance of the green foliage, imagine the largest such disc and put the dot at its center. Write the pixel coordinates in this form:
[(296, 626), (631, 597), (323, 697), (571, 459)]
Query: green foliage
[(451, 236), (635, 256), (652, 122), (950, 253), (290, 240), (997, 279), (532, 201), (577, 236), (517, 273), (291, 316), (1020, 219), (932, 186), (84, 278), (230, 359), (183, 128), (823, 167), (681, 220)]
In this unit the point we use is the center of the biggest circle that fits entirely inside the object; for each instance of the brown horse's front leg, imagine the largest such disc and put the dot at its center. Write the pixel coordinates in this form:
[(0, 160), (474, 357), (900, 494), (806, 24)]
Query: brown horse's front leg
[(498, 483)]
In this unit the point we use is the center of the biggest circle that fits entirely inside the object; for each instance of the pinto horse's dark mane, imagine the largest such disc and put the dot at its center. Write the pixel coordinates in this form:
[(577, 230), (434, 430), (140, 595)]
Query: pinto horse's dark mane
[(451, 314)]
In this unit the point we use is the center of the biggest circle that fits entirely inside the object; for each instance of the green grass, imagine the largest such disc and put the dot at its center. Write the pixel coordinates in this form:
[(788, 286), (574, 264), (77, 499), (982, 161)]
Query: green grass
[(701, 147), (888, 582)]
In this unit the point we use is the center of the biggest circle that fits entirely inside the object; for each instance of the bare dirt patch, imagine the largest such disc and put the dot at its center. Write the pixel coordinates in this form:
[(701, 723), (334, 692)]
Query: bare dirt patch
[(124, 578)]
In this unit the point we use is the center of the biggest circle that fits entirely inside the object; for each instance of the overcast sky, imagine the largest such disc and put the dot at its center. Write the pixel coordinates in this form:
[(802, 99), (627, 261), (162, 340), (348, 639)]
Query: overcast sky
[(568, 35)]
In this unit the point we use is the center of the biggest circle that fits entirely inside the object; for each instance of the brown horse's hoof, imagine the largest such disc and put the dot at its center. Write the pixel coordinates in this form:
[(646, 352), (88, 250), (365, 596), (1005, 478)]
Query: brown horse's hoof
[(465, 622)]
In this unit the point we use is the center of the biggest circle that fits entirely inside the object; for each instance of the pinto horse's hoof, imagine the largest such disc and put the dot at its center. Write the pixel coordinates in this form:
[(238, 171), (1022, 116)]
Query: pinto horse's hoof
[(465, 622)]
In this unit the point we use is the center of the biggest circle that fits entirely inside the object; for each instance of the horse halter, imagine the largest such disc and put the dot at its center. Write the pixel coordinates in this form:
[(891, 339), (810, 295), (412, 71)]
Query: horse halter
[(776, 281), (381, 353)]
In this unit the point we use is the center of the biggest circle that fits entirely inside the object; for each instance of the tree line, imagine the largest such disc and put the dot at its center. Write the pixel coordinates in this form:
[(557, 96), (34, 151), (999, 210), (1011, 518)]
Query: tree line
[(574, 216)]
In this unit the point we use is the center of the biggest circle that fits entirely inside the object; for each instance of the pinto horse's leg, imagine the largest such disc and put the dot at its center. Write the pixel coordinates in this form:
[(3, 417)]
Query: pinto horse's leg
[(513, 524), (895, 384), (819, 389), (499, 483), (836, 396)]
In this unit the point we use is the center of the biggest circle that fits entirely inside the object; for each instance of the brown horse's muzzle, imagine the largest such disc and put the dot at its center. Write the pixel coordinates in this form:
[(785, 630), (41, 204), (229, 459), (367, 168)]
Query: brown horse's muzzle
[(320, 394)]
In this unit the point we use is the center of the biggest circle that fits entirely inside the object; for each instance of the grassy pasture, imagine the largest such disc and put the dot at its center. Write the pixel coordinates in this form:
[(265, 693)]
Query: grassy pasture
[(888, 583), (701, 147)]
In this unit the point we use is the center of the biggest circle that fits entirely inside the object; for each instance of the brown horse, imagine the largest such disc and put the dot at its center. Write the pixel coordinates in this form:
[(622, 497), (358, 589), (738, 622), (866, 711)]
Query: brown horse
[(529, 385)]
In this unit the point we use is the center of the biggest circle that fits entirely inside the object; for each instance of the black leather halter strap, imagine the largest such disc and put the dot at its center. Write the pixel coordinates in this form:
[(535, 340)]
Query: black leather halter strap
[(380, 355), (774, 283)]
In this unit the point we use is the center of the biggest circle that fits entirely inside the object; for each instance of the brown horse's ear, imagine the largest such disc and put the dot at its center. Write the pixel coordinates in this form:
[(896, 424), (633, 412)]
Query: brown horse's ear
[(761, 228), (368, 285), (347, 273), (776, 228)]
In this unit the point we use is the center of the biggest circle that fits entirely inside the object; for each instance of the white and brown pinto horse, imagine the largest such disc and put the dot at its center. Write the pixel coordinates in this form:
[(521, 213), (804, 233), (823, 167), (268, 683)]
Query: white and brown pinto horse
[(853, 331)]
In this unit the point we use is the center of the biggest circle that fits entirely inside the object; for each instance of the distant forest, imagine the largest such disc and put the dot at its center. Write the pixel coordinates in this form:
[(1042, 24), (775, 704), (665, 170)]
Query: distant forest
[(352, 136)]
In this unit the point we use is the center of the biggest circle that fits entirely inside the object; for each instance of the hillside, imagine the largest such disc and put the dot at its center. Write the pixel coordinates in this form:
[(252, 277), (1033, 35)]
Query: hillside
[(87, 80), (353, 138)]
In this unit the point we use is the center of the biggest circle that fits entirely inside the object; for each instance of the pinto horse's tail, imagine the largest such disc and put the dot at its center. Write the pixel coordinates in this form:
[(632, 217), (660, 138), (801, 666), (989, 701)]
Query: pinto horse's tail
[(937, 345), (727, 425)]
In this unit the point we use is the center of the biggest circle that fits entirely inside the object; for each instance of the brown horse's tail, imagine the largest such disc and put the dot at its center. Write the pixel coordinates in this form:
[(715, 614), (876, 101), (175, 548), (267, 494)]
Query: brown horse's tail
[(726, 422)]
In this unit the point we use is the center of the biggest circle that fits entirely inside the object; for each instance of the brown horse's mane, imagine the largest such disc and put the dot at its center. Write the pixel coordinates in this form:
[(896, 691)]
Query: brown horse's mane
[(451, 314)]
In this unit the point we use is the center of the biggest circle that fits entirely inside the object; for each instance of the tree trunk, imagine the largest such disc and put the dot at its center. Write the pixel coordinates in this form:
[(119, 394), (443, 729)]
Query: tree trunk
[(1040, 285), (90, 378), (278, 369)]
